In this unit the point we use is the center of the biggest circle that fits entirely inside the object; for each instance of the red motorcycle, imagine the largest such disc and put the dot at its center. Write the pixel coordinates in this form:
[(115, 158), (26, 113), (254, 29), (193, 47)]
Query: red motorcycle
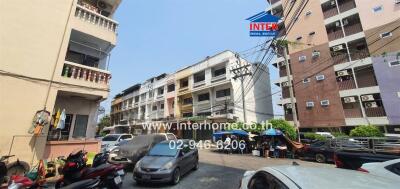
[(75, 169)]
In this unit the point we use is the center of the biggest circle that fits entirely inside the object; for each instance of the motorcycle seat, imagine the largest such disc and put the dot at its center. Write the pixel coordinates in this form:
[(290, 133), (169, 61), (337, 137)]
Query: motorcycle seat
[(94, 169), (82, 184)]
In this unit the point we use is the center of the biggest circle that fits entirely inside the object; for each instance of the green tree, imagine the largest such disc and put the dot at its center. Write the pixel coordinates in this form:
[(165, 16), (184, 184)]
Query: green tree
[(314, 136), (104, 122), (285, 127), (366, 131)]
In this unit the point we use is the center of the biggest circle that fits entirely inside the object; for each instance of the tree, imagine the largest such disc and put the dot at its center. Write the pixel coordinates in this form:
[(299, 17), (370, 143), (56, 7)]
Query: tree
[(366, 131), (285, 127), (104, 122)]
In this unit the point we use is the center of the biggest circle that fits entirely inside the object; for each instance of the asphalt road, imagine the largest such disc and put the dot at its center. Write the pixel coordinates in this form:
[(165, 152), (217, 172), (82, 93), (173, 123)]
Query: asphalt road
[(219, 170)]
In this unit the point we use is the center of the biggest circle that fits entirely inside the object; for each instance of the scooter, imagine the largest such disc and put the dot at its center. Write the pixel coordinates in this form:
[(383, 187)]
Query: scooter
[(84, 184), (75, 169)]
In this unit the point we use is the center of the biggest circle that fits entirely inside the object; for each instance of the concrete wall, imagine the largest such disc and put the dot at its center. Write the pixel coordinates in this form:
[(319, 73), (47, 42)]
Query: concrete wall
[(370, 19), (388, 79)]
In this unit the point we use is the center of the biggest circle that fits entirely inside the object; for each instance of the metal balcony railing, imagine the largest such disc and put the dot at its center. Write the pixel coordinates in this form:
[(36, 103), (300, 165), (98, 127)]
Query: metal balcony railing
[(357, 55), (340, 58), (375, 112), (330, 12), (347, 6), (353, 113), (346, 84), (95, 18), (335, 35), (353, 29), (86, 73)]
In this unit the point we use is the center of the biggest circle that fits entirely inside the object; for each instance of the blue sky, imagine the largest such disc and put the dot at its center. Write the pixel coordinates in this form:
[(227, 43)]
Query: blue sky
[(161, 36)]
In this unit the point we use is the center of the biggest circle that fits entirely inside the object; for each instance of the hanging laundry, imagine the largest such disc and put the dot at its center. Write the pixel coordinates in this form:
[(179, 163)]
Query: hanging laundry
[(57, 118), (61, 122)]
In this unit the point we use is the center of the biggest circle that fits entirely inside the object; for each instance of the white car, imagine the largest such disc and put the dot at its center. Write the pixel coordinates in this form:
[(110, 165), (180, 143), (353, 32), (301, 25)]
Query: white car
[(388, 169), (110, 140), (296, 177)]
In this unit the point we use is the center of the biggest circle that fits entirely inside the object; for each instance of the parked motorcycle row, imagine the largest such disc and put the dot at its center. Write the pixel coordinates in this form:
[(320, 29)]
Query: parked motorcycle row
[(73, 172)]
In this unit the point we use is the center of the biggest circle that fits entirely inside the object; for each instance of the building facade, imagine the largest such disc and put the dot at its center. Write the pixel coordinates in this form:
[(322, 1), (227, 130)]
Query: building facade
[(344, 68), (55, 56), (205, 92)]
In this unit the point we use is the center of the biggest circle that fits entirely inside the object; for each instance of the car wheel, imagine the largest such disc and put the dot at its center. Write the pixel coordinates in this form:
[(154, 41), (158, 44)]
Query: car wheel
[(176, 176), (320, 158)]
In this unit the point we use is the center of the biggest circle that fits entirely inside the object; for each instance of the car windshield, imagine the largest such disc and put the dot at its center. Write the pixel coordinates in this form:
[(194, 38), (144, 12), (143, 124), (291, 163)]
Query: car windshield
[(111, 138), (163, 149)]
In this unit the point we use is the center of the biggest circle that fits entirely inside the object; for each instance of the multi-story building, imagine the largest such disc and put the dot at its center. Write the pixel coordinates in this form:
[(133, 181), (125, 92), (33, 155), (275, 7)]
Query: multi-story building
[(203, 92), (344, 68), (55, 56)]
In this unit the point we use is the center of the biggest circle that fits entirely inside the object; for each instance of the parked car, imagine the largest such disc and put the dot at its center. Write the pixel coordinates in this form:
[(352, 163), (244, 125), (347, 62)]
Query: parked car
[(355, 159), (323, 151), (166, 163), (111, 140), (296, 177), (389, 169), (138, 147)]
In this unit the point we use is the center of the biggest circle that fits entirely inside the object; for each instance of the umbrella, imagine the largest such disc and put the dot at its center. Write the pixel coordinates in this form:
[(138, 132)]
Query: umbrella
[(238, 132), (272, 132)]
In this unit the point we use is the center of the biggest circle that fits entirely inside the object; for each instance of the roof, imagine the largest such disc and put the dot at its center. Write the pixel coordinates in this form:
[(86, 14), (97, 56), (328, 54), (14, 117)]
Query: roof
[(318, 177), (201, 61), (131, 89)]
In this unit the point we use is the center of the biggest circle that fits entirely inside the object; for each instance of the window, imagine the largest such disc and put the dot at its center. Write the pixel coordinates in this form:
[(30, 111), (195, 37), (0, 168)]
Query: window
[(187, 114), (136, 98), (150, 94), (162, 107), (377, 9), (80, 126), (184, 83), (161, 91), (199, 77), (187, 101), (385, 34), (394, 63), (154, 108), (394, 168), (171, 87), (126, 137), (204, 97), (306, 80), (223, 93), (220, 71)]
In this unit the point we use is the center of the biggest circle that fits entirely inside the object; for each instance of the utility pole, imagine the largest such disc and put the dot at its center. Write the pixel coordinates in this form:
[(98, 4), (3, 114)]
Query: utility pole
[(291, 93), (240, 72)]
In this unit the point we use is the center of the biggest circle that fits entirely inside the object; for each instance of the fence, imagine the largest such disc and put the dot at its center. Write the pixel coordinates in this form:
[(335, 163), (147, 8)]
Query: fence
[(368, 144)]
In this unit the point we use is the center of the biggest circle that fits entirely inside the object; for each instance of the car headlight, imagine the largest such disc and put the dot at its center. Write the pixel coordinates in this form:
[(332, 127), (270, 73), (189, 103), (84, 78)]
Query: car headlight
[(137, 165), (167, 166)]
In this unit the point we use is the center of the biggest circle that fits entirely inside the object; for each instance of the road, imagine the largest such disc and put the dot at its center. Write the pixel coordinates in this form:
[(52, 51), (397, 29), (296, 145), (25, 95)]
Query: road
[(219, 170)]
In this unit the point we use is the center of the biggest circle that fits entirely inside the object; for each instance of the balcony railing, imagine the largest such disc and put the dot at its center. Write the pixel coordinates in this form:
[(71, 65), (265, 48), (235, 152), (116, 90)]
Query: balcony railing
[(285, 92), (218, 78), (86, 73), (357, 55), (346, 84), (353, 113), (347, 6), (199, 83), (375, 112), (330, 12), (353, 29), (282, 72), (95, 18), (335, 35), (289, 117), (340, 58)]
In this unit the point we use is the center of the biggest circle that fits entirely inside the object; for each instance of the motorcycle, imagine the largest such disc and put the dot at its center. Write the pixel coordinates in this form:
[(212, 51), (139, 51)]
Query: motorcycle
[(7, 169), (75, 169), (84, 184)]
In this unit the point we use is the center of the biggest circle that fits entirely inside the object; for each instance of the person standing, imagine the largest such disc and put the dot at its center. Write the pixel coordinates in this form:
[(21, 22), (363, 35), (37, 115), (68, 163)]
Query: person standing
[(227, 144), (266, 146)]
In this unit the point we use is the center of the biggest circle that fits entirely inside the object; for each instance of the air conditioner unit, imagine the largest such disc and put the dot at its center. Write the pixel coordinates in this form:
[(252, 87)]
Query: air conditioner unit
[(324, 102), (302, 58), (309, 104), (345, 22), (367, 98), (320, 77), (308, 13), (288, 106), (285, 84), (316, 54), (333, 2), (337, 48), (337, 24), (342, 73), (349, 99), (371, 105)]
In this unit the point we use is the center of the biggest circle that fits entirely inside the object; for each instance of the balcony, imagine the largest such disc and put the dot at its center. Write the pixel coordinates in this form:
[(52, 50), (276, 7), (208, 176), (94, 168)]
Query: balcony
[(199, 83), (95, 18), (353, 29), (346, 84), (218, 78), (85, 73), (282, 71), (353, 113), (346, 5), (365, 76), (340, 58), (285, 92), (375, 112), (330, 11), (359, 54), (333, 35)]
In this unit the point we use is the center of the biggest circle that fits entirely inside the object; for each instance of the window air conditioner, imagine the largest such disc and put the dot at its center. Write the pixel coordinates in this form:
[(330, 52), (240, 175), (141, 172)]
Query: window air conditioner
[(320, 77), (367, 98), (349, 99), (342, 73), (371, 105), (309, 104)]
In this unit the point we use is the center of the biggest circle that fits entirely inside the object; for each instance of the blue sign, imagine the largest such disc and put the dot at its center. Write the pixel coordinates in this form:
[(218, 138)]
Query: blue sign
[(263, 24)]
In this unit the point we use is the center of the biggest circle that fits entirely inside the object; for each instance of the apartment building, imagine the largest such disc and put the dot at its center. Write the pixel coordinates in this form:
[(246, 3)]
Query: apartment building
[(55, 56), (344, 70), (205, 92)]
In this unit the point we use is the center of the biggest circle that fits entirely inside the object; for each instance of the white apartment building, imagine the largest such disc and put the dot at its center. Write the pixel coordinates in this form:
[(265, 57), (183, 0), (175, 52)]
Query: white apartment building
[(205, 91)]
